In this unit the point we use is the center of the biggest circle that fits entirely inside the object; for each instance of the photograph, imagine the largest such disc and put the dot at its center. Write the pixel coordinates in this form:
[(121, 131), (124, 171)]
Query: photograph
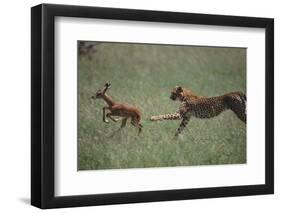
[(160, 105), (141, 105)]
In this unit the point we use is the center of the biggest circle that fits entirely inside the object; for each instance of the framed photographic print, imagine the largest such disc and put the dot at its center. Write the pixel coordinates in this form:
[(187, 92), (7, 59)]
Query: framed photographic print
[(139, 106)]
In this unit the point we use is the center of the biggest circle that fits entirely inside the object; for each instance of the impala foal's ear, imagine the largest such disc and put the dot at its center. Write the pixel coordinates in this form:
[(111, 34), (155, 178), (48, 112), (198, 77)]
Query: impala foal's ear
[(179, 89), (107, 85)]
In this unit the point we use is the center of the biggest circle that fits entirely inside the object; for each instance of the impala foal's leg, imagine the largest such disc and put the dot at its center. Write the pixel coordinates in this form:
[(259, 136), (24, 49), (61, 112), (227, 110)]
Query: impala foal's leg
[(108, 115), (136, 123), (123, 124), (103, 114), (140, 128)]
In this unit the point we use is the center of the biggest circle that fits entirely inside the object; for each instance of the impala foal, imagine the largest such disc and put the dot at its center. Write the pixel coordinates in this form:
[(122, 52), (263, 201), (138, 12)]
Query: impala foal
[(118, 109)]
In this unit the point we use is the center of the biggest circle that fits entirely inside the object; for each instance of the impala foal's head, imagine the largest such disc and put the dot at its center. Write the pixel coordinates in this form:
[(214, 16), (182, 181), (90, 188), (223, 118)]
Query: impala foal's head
[(101, 92)]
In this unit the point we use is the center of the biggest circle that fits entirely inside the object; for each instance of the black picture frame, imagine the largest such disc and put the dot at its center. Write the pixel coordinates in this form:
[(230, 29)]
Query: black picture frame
[(43, 102)]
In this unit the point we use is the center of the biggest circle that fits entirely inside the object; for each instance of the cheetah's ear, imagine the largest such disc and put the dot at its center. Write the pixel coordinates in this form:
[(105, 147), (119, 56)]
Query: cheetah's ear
[(179, 89)]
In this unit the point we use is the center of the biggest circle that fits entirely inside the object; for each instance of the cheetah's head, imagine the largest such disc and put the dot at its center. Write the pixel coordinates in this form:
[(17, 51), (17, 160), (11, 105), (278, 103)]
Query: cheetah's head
[(176, 93)]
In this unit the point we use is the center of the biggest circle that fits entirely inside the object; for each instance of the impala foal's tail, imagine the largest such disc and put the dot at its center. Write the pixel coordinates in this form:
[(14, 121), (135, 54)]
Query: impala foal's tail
[(173, 116)]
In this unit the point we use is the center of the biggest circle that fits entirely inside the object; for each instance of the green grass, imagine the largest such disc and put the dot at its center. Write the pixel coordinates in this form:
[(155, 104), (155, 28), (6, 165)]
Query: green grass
[(143, 75)]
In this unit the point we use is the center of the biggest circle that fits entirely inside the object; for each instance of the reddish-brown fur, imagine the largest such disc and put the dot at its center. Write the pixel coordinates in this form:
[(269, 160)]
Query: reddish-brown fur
[(118, 109)]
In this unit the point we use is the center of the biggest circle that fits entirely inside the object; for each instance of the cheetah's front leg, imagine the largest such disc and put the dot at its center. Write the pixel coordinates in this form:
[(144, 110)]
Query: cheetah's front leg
[(184, 122)]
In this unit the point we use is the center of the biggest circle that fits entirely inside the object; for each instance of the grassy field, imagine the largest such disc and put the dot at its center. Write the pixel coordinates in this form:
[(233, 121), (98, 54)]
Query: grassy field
[(143, 75)]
